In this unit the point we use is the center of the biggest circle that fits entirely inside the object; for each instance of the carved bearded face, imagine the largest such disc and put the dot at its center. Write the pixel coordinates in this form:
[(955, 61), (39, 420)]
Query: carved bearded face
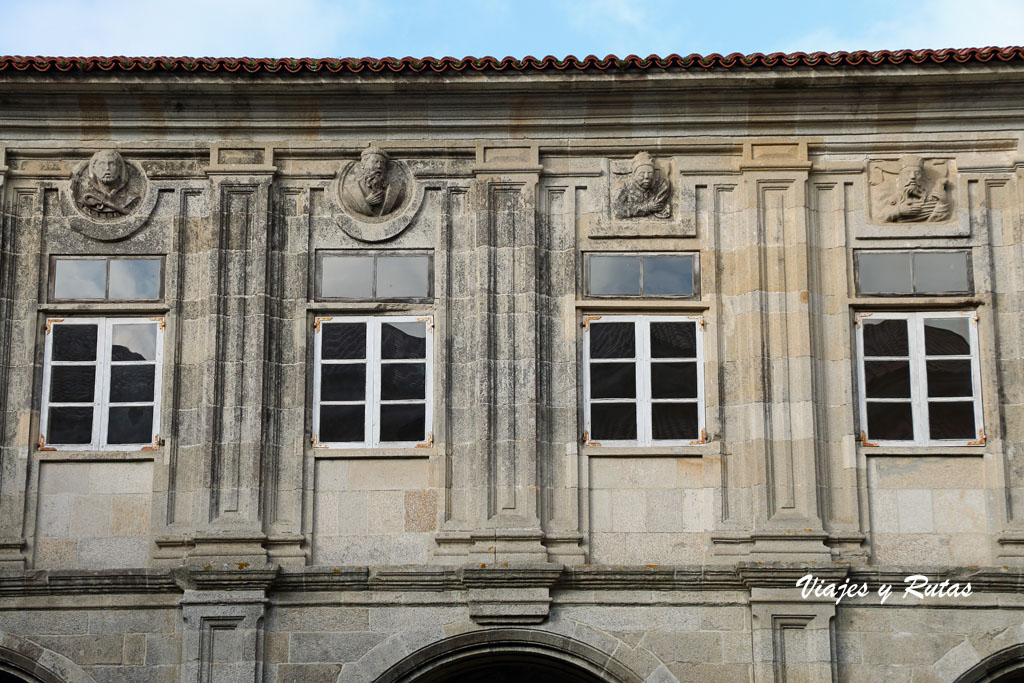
[(373, 173), (643, 176), (107, 167), (912, 179)]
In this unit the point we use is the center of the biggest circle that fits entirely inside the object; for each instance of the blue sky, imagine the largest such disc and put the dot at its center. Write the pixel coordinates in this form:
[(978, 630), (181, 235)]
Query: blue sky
[(361, 28)]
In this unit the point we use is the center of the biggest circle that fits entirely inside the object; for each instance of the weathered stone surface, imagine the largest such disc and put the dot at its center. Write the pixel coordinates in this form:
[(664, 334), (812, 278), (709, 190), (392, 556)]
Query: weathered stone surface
[(507, 529)]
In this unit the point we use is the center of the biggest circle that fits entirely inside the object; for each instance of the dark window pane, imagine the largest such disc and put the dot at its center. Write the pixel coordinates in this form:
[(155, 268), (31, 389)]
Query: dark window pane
[(949, 378), (885, 337), (941, 272), (72, 383), (610, 275), (890, 422), (674, 380), (343, 340), (130, 424), (946, 337), (887, 378), (133, 342), (342, 382), (67, 425), (346, 277), (403, 422), (341, 423), (674, 340), (403, 381), (403, 340), (668, 275), (79, 278), (402, 277), (953, 420), (612, 380), (134, 279), (612, 340), (674, 421), (131, 383), (613, 421), (884, 273), (74, 342)]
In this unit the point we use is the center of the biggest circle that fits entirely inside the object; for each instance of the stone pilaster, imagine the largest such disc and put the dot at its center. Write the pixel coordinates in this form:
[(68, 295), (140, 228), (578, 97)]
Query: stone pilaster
[(771, 346), (222, 638), (231, 525)]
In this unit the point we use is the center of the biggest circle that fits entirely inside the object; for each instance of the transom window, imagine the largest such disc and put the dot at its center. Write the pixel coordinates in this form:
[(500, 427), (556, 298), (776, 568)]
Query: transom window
[(102, 278), (373, 382), (101, 383), (919, 378), (924, 271), (643, 380), (386, 275), (641, 275)]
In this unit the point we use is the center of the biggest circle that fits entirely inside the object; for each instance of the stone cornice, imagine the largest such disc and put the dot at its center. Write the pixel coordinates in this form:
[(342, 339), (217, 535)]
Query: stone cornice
[(436, 578)]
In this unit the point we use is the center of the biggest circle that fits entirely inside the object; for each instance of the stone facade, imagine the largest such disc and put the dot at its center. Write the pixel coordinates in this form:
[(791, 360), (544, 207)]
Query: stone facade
[(498, 519)]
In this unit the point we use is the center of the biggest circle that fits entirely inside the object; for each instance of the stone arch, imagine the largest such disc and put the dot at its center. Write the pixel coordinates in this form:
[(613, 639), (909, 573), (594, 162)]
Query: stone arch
[(580, 653), (1003, 666), (25, 658)]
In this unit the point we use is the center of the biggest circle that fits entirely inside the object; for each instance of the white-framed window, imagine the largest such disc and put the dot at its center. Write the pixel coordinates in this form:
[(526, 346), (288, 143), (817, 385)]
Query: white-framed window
[(643, 380), (919, 378), (101, 384), (373, 382)]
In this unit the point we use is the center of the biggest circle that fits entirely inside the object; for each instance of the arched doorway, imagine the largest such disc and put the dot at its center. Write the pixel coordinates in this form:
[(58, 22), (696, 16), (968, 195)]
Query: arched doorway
[(1004, 666), (7, 677), (509, 656), (23, 661)]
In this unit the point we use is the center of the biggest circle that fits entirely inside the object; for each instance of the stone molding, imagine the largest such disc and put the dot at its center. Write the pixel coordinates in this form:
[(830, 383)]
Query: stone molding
[(45, 665)]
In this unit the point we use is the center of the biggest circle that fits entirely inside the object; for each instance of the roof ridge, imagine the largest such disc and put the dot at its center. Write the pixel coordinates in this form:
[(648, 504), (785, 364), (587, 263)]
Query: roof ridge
[(859, 58)]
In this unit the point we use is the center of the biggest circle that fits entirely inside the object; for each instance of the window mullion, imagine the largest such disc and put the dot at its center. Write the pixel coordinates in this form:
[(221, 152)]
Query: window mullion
[(100, 411), (372, 406), (643, 383), (972, 327), (918, 378)]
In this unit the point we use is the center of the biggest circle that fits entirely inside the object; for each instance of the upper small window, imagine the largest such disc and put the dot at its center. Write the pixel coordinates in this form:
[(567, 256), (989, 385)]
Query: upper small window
[(102, 278), (931, 272), (384, 275), (641, 275)]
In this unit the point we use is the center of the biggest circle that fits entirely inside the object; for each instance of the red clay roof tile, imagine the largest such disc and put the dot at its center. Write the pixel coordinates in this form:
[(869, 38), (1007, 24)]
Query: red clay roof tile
[(859, 58)]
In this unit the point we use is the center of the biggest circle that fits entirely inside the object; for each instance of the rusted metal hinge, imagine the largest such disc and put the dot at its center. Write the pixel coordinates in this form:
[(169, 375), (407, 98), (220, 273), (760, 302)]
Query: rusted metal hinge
[(981, 439), (429, 321), (586, 321), (50, 321), (316, 322), (428, 443), (42, 444), (163, 323), (703, 438), (864, 440)]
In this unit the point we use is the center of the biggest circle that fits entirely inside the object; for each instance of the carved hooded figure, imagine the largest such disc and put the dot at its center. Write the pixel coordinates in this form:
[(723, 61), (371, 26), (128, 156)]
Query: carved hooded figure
[(917, 199), (644, 194), (370, 189), (103, 190)]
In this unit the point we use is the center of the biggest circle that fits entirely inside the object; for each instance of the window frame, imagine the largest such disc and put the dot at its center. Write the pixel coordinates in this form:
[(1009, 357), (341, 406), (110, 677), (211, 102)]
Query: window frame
[(101, 391), (642, 362), (51, 285), (919, 378), (371, 417), (911, 253), (374, 254), (693, 255)]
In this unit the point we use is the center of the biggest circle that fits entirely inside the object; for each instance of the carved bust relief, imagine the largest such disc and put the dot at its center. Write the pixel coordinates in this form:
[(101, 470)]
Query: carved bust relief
[(107, 188), (375, 186), (644, 193), (911, 190)]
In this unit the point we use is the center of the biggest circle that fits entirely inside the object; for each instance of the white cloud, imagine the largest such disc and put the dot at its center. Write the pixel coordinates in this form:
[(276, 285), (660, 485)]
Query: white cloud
[(934, 24)]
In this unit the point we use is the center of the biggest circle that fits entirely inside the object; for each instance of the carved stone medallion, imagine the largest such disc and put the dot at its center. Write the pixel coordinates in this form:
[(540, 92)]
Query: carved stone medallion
[(644, 193), (112, 196), (377, 196), (912, 190)]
